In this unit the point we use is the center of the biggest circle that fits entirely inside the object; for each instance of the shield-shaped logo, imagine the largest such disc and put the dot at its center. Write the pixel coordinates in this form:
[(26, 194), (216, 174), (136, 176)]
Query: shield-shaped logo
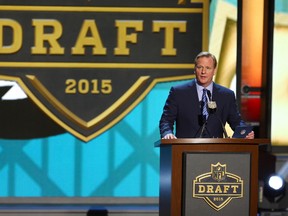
[(218, 187), (218, 172), (87, 65)]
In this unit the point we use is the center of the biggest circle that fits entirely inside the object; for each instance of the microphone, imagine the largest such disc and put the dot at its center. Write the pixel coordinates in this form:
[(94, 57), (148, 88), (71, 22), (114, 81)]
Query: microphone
[(203, 127), (209, 95), (211, 104), (212, 108)]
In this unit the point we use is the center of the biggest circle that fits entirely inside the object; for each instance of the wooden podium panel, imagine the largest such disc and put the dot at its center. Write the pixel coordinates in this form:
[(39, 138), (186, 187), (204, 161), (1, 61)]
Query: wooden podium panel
[(175, 155)]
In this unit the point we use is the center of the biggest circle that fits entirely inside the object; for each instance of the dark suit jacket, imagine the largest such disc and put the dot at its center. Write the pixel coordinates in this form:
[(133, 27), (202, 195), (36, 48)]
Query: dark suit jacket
[(183, 108)]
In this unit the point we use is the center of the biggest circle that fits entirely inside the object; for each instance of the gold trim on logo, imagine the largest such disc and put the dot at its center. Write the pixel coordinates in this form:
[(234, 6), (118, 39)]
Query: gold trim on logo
[(94, 65), (99, 9), (70, 115)]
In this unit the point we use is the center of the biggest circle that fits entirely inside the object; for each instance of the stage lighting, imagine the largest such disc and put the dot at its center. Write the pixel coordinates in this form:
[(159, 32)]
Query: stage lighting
[(276, 182), (274, 188)]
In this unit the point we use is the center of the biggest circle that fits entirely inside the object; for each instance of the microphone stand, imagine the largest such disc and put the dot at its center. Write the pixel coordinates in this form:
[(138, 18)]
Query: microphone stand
[(203, 127), (224, 130), (212, 108)]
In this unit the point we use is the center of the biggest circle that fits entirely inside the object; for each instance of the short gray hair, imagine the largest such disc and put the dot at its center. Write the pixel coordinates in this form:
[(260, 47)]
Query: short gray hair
[(208, 55)]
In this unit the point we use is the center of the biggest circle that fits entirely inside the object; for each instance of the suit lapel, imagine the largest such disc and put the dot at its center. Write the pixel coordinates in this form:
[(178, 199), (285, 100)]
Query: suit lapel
[(215, 94), (194, 94)]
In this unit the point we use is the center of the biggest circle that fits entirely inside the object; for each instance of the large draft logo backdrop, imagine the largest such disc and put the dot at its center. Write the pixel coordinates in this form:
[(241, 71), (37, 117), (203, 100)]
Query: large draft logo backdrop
[(87, 65)]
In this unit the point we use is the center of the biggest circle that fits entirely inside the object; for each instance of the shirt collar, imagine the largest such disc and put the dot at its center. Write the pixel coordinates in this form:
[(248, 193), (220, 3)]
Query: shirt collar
[(200, 88)]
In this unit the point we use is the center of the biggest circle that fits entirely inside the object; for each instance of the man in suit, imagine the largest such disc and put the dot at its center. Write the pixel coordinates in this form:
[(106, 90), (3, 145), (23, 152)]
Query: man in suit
[(185, 105)]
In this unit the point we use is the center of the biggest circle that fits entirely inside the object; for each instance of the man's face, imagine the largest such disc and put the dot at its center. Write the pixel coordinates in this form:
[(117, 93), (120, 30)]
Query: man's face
[(205, 71)]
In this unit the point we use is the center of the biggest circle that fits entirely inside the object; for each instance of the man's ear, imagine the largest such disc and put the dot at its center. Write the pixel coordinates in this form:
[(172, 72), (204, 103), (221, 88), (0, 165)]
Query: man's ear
[(214, 72)]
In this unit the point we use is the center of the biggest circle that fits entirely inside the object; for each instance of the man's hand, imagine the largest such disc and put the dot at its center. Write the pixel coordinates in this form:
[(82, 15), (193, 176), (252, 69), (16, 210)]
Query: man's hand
[(169, 136), (250, 135)]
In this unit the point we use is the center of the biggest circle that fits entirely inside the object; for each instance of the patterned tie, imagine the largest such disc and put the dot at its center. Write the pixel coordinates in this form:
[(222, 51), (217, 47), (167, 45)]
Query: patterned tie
[(205, 104)]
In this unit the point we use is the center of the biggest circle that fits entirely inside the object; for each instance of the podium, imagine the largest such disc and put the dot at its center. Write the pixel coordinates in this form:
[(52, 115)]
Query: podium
[(202, 176)]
